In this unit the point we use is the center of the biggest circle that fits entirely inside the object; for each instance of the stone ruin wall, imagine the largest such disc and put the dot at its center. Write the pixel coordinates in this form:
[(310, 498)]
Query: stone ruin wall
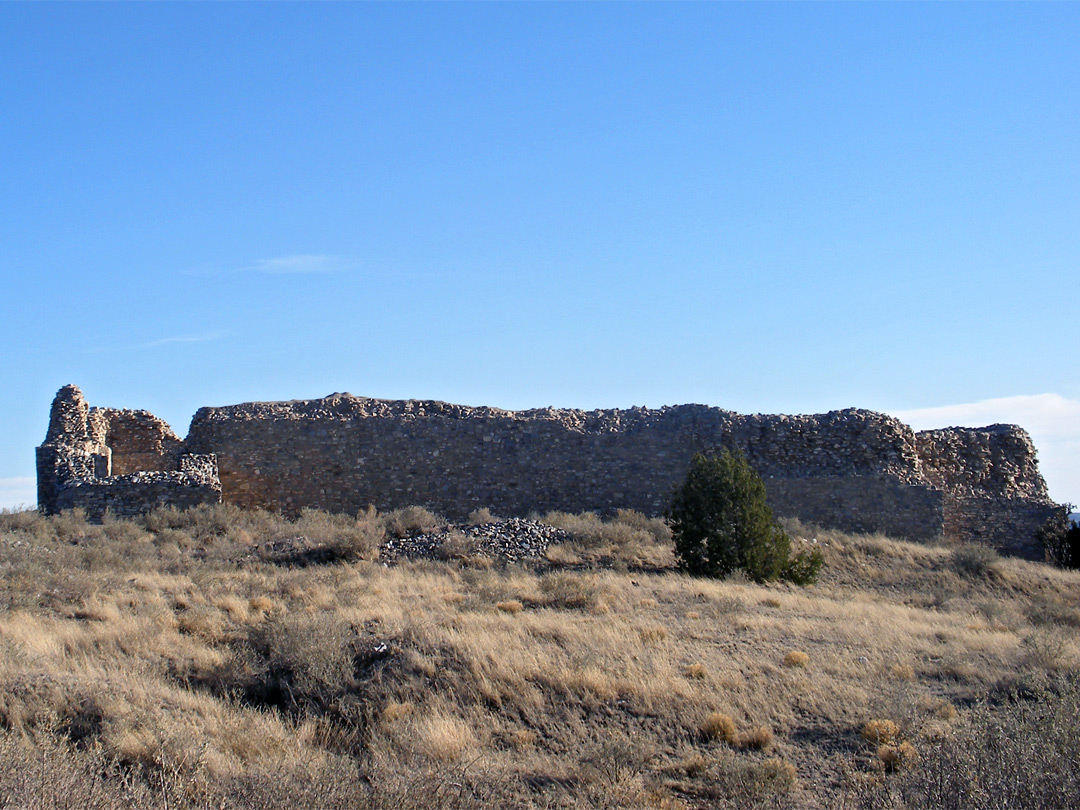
[(994, 492), (124, 462), (342, 453), (854, 470), (139, 441)]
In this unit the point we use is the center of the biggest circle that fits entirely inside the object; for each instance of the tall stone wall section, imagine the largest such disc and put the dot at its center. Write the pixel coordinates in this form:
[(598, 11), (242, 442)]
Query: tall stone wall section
[(994, 492), (855, 470), (123, 462), (139, 442)]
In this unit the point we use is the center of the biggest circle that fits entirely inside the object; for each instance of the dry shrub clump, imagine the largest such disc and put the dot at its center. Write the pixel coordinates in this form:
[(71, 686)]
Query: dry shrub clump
[(42, 771), (573, 591), (348, 538), (719, 726), (751, 784), (894, 757), (902, 672), (696, 672), (1020, 755), (1048, 648), (943, 710), (630, 539), (757, 739), (653, 634), (973, 560), (412, 520), (880, 731), (479, 517), (441, 737), (796, 658)]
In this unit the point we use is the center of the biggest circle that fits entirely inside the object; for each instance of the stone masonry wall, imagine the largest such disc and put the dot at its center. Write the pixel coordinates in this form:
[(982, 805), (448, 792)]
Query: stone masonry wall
[(343, 453), (140, 492), (854, 470), (144, 469), (994, 492), (997, 460), (139, 441), (862, 504), (1008, 524)]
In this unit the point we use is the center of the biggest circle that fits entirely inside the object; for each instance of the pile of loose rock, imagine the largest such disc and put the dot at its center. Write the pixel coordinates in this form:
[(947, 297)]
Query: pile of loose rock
[(514, 539)]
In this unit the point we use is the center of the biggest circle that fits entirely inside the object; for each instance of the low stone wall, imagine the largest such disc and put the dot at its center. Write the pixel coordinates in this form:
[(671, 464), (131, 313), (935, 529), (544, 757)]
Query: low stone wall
[(140, 492)]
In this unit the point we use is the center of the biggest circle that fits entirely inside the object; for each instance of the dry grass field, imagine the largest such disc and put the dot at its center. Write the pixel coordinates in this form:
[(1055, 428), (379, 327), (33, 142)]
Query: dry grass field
[(218, 658)]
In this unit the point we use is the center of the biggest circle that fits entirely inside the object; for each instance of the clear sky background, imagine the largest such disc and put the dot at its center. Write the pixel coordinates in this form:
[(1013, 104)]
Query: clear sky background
[(765, 207)]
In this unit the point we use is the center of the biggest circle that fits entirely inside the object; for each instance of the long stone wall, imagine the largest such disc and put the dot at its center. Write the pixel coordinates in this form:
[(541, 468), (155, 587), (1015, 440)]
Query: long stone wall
[(343, 453), (853, 469)]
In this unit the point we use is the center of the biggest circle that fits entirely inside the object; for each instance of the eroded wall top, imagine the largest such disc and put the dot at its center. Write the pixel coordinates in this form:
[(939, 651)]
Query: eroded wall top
[(998, 460), (846, 442)]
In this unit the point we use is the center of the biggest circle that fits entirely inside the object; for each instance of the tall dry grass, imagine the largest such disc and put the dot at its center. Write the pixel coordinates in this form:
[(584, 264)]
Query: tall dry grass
[(223, 658)]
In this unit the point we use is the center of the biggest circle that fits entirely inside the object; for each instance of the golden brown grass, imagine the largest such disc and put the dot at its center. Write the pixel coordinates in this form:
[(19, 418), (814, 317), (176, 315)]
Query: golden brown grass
[(796, 658), (190, 641), (719, 726), (880, 731)]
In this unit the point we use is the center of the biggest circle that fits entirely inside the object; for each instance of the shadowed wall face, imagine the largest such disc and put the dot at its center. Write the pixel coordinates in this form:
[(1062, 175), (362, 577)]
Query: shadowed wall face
[(138, 440), (344, 453)]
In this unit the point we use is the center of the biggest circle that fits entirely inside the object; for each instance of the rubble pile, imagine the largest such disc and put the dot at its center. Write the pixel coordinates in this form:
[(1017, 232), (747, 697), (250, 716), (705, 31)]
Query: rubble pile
[(513, 540)]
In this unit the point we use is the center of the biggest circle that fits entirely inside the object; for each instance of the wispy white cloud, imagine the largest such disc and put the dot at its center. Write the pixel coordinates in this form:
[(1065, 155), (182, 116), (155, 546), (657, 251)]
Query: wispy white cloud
[(153, 344), (16, 492), (182, 339), (300, 263), (1045, 413), (1052, 420), (295, 264)]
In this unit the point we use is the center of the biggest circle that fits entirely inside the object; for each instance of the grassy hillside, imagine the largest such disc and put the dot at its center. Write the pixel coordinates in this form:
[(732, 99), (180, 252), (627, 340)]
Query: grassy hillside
[(220, 658)]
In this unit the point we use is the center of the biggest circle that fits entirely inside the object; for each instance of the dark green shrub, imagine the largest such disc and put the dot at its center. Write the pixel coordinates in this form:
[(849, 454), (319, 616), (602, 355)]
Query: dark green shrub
[(803, 567), (720, 523), (1060, 539)]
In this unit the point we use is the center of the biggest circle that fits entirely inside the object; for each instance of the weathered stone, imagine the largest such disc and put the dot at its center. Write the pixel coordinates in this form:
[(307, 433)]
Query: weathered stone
[(853, 469), (124, 462)]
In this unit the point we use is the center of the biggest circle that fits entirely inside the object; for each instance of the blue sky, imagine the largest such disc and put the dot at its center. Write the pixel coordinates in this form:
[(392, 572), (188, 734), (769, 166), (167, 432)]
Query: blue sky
[(764, 207)]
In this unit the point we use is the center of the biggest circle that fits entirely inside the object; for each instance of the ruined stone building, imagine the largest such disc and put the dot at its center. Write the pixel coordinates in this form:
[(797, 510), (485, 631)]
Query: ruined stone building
[(854, 470)]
